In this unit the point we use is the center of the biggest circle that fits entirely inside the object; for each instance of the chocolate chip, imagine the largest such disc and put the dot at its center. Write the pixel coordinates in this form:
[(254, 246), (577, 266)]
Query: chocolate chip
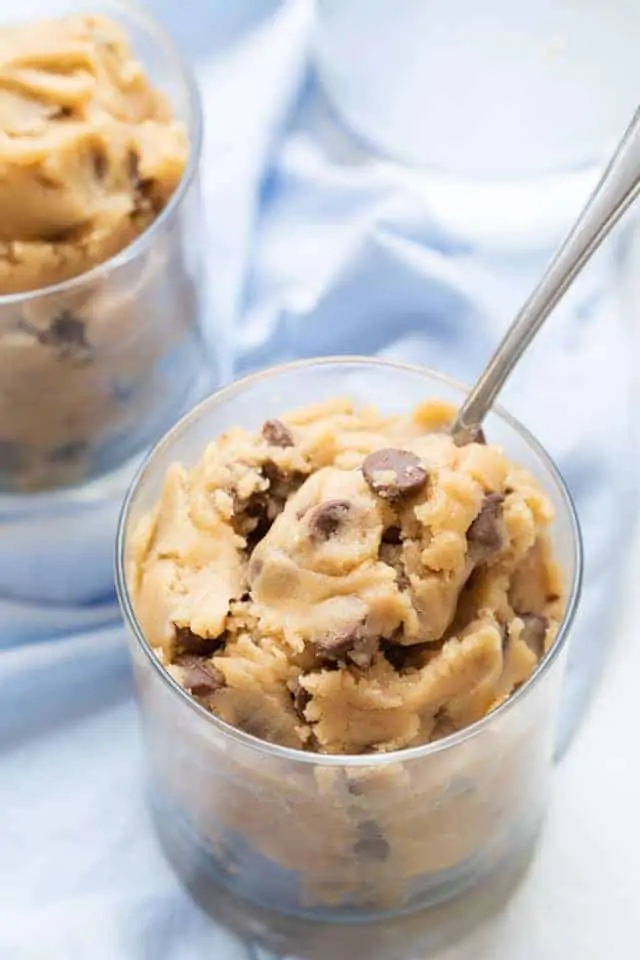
[(191, 642), (282, 483), (337, 644), (396, 655), (472, 581), (552, 597), (363, 652), (202, 680), (301, 697), (504, 635), (12, 456), (256, 506), (350, 643), (277, 434), (534, 632), (401, 656), (66, 330), (393, 474), (252, 518), (371, 843), (392, 535), (273, 473), (326, 520), (486, 534)]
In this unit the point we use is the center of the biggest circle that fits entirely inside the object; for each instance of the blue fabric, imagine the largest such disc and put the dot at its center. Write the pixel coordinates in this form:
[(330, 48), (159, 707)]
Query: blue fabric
[(311, 249)]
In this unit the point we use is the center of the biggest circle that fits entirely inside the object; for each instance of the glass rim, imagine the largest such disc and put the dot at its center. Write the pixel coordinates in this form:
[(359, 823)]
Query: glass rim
[(346, 760), (178, 64)]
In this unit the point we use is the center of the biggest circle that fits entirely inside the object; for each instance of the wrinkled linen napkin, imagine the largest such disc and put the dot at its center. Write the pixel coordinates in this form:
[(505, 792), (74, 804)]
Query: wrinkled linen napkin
[(312, 248)]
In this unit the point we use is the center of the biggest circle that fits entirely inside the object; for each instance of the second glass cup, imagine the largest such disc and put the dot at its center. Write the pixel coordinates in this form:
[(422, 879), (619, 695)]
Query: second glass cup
[(89, 366), (345, 837), (97, 367)]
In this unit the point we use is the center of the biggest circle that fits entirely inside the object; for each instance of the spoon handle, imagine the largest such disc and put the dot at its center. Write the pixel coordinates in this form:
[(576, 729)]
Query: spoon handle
[(617, 189)]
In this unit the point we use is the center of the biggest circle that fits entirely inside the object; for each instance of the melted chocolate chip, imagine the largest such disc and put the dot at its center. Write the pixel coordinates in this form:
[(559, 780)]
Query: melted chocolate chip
[(282, 483), (336, 645), (202, 680), (191, 642), (253, 517), (486, 534), (272, 472), (66, 330), (326, 520), (257, 505), (277, 434), (534, 632), (371, 843), (301, 697), (392, 535), (393, 474)]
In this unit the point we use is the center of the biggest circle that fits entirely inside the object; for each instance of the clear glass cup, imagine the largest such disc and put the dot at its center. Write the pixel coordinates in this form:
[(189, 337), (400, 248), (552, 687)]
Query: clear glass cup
[(500, 107), (337, 838), (98, 366)]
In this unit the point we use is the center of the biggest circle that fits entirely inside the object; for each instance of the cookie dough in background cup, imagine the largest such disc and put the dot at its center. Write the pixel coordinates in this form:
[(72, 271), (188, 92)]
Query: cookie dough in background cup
[(100, 341), (336, 838)]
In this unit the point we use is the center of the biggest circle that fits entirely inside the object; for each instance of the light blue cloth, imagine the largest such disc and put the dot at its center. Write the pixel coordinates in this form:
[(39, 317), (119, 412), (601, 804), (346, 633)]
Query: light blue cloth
[(311, 250)]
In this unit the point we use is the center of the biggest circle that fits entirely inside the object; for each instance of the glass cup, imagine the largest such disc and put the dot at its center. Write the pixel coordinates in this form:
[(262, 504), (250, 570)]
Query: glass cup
[(500, 107), (337, 838), (89, 367), (96, 368)]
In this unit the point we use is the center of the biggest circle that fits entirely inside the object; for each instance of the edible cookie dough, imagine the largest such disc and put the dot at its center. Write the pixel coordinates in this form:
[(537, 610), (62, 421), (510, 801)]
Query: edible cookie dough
[(89, 151), (345, 582), (90, 154)]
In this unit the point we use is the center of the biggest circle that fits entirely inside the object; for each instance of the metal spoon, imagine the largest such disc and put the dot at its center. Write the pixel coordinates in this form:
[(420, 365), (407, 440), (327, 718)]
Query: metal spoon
[(617, 189)]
